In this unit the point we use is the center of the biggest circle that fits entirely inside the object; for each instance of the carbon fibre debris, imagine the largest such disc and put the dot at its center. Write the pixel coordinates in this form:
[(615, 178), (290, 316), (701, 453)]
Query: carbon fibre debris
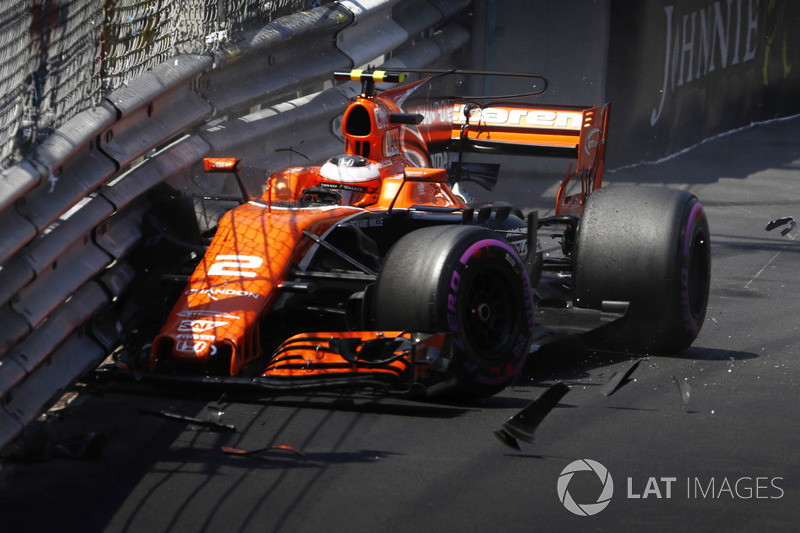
[(211, 424), (619, 379), (684, 388), (778, 222), (522, 425)]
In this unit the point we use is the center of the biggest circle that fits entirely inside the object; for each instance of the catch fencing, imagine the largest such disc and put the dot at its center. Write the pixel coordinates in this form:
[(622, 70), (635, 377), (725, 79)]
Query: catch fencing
[(72, 209), (61, 57)]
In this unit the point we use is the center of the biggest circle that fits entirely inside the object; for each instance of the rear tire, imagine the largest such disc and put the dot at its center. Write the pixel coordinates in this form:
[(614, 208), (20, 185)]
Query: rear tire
[(648, 246), (469, 282)]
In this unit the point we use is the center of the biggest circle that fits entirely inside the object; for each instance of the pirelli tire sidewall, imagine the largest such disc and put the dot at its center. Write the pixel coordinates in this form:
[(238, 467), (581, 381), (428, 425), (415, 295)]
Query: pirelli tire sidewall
[(650, 247), (467, 281)]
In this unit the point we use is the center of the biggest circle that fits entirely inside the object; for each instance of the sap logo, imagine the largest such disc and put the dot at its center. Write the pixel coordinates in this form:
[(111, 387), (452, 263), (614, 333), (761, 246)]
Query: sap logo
[(199, 326)]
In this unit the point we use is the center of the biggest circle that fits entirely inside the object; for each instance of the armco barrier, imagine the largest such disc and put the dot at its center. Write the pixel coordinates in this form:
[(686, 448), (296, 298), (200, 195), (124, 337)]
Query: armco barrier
[(72, 212), (162, 104), (292, 133), (362, 41), (276, 68)]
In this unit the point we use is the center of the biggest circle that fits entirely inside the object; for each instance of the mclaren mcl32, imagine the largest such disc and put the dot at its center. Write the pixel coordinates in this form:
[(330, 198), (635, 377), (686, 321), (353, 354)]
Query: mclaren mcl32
[(372, 270)]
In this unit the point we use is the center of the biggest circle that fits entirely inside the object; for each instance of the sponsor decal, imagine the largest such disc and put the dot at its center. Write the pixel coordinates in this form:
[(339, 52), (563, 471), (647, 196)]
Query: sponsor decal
[(391, 142), (592, 140), (345, 187), (195, 347), (215, 293), (439, 160), (518, 240), (197, 337), (719, 36), (197, 312), (199, 326), (438, 112), (191, 346), (523, 117), (367, 222), (381, 118)]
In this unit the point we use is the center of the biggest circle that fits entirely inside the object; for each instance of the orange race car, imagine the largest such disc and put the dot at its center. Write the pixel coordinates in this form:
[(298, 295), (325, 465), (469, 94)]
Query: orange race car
[(372, 270)]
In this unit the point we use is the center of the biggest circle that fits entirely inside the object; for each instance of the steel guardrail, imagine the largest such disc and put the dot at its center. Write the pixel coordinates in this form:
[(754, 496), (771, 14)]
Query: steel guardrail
[(72, 210)]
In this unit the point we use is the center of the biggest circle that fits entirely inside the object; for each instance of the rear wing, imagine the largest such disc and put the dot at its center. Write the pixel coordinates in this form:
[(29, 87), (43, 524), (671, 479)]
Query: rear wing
[(541, 130)]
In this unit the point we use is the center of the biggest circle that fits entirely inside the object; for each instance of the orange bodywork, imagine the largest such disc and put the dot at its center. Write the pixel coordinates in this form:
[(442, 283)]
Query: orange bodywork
[(238, 281), (307, 355), (256, 244), (591, 159), (577, 132)]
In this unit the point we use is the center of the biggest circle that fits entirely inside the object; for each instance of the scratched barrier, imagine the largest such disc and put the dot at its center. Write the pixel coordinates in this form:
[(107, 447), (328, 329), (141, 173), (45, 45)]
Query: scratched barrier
[(681, 71), (73, 210)]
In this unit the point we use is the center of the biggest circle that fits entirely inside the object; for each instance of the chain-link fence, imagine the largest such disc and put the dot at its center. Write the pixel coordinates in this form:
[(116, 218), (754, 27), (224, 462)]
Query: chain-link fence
[(59, 57)]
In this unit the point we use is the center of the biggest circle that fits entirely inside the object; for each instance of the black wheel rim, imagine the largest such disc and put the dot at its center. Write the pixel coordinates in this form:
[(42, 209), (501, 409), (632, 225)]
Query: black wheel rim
[(489, 312), (698, 275)]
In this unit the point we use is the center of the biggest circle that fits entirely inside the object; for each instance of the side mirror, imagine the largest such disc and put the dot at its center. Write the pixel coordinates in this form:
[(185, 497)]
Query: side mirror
[(222, 164), (230, 165), (427, 175)]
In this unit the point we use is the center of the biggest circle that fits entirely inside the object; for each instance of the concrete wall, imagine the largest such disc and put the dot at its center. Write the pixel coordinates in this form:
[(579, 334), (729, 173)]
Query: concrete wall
[(564, 40), (675, 71)]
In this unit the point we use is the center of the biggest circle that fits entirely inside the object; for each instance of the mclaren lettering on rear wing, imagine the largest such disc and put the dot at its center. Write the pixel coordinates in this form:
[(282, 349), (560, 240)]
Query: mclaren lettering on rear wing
[(541, 130)]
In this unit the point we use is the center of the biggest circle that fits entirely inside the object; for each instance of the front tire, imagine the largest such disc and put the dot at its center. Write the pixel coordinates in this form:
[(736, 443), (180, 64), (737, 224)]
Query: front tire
[(469, 282), (650, 247)]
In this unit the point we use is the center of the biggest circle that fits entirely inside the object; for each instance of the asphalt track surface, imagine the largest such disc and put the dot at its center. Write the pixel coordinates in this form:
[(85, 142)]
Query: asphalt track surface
[(726, 460)]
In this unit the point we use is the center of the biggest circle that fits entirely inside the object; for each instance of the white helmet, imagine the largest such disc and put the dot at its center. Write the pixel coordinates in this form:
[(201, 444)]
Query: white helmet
[(357, 179)]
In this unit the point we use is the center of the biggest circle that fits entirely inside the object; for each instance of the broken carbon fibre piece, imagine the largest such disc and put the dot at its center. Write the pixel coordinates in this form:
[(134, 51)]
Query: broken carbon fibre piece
[(619, 379), (211, 424), (522, 425), (780, 222)]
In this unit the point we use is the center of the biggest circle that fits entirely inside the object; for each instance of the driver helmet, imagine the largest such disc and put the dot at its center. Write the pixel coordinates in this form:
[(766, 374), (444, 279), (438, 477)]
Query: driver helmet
[(355, 178)]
